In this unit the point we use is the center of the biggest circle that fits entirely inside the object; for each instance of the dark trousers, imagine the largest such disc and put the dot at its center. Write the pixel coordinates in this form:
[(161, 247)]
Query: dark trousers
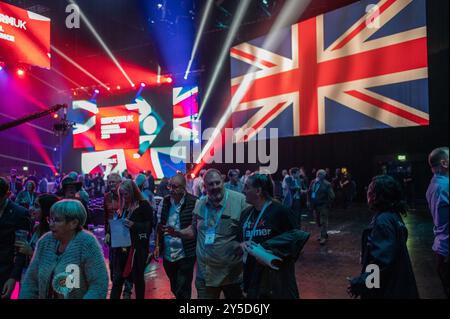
[(442, 268), (321, 214), (2, 283), (180, 275), (233, 291), (136, 276), (297, 210)]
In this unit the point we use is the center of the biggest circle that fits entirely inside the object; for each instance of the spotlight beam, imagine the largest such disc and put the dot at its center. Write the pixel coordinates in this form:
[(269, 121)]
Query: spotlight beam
[(206, 13), (102, 43), (291, 11), (45, 82), (240, 12), (79, 67), (19, 159)]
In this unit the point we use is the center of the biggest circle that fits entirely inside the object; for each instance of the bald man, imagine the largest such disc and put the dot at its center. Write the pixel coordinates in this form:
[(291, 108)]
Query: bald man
[(178, 254), (437, 197)]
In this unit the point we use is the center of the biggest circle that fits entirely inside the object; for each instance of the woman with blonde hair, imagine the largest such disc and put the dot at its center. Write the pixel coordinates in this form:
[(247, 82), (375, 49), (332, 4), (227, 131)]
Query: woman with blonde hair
[(68, 262), (129, 262)]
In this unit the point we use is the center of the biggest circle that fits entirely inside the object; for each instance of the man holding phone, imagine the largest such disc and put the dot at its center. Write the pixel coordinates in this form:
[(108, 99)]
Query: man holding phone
[(14, 219)]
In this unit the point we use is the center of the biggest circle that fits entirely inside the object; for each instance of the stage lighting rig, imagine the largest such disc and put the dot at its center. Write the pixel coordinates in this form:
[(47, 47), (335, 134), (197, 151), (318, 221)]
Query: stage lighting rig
[(63, 125), (34, 116)]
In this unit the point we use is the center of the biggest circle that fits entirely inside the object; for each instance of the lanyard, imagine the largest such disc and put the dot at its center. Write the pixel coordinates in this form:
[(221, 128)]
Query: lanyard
[(220, 214), (30, 199), (316, 188), (266, 204)]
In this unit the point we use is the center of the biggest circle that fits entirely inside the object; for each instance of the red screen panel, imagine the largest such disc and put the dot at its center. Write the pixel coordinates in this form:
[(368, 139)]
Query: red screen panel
[(117, 128), (24, 36)]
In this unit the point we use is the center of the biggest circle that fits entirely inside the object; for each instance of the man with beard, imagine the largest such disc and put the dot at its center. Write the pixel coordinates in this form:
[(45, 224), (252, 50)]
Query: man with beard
[(215, 223)]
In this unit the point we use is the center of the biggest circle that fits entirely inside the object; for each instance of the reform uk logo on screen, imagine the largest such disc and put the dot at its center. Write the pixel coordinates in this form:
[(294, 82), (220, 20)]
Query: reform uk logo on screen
[(117, 128), (24, 36)]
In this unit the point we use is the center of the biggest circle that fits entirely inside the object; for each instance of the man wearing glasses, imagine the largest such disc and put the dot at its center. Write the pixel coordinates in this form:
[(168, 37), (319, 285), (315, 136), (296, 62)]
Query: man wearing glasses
[(178, 254), (215, 224)]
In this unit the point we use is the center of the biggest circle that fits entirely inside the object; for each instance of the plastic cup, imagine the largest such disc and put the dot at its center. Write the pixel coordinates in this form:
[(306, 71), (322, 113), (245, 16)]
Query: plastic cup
[(21, 235)]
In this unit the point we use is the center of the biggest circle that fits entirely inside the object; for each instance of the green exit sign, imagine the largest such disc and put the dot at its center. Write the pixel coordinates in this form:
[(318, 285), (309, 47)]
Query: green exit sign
[(401, 158)]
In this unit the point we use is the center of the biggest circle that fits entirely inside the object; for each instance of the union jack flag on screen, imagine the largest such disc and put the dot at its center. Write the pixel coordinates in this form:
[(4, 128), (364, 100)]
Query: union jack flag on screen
[(360, 67)]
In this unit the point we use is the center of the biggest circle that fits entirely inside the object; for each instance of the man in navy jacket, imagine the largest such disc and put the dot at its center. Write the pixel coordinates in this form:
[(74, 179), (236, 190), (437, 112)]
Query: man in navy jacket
[(12, 218)]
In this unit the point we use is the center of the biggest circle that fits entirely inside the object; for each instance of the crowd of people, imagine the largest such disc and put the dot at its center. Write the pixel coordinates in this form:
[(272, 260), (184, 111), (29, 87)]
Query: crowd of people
[(244, 235)]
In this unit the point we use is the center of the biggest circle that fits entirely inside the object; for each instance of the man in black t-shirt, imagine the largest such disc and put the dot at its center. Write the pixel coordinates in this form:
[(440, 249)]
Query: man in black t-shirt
[(265, 220)]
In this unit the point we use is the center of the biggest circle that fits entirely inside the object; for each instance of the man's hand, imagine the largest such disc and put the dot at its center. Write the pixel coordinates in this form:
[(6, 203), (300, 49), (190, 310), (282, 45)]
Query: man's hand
[(8, 288), (156, 253), (24, 248), (350, 291), (169, 230), (246, 246), (107, 239)]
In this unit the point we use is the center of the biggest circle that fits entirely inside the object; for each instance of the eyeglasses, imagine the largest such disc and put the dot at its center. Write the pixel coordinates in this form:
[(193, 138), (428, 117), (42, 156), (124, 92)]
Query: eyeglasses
[(53, 220)]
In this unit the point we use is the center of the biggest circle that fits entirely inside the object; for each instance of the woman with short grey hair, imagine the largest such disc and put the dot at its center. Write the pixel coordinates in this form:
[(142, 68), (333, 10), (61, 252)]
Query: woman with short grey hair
[(68, 262)]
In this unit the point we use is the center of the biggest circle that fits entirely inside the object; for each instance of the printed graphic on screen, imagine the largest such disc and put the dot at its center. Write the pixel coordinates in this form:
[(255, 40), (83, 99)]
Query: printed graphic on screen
[(125, 131), (185, 110), (360, 67), (24, 36), (161, 162), (117, 127)]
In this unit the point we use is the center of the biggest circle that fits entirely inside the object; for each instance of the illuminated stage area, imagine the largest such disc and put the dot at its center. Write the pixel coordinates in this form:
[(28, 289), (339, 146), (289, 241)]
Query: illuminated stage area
[(224, 149)]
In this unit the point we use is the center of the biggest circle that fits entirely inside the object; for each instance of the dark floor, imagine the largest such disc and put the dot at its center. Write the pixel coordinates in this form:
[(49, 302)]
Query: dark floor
[(322, 271)]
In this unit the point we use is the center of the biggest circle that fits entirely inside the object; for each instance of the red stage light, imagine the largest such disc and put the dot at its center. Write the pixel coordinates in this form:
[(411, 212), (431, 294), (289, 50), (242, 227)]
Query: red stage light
[(169, 80), (55, 115), (118, 87)]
